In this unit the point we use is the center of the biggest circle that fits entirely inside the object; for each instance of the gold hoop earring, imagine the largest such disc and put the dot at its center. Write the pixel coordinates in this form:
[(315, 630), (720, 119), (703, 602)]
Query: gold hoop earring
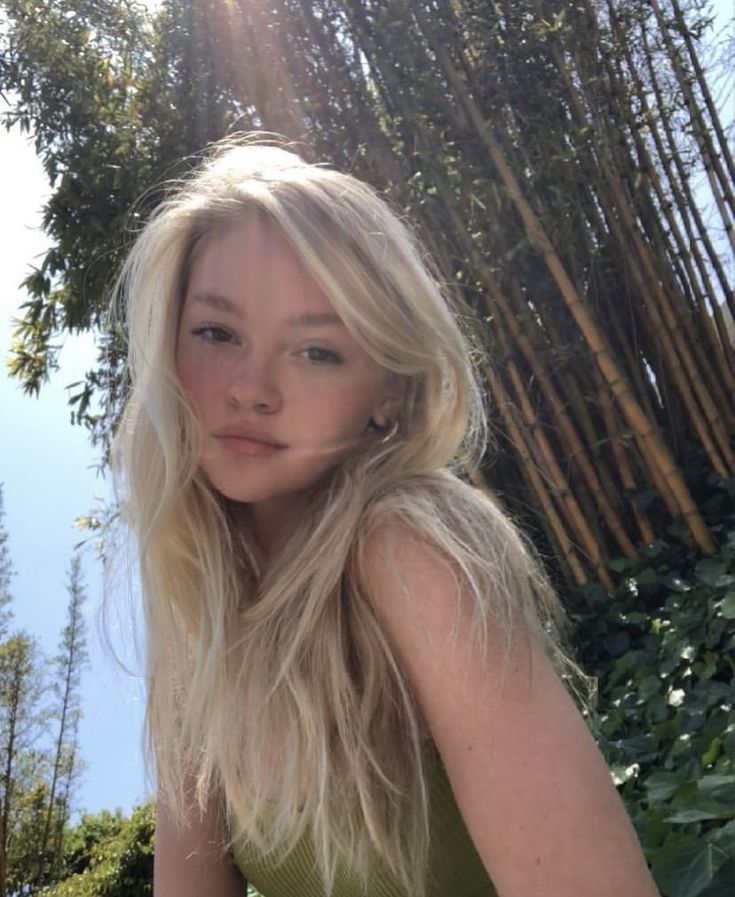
[(389, 431)]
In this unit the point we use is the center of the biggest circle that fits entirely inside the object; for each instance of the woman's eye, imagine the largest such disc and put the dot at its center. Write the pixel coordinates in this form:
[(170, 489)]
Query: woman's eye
[(321, 355), (212, 334)]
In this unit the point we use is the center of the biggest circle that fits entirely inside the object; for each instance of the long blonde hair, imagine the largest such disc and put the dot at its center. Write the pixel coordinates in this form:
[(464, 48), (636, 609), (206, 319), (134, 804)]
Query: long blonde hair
[(270, 684)]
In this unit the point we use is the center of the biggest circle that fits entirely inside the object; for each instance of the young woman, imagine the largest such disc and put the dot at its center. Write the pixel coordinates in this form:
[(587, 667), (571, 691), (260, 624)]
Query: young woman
[(353, 679)]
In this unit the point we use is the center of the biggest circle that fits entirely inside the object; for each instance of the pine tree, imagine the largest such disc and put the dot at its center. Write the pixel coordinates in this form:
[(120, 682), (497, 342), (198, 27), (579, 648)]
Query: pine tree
[(6, 571), (69, 663), (21, 764)]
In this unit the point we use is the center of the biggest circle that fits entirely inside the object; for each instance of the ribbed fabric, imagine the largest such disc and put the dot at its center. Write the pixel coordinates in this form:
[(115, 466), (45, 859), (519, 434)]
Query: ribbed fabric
[(454, 867)]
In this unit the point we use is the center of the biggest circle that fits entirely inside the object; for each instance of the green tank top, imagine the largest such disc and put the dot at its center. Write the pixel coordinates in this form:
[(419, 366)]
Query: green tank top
[(454, 866)]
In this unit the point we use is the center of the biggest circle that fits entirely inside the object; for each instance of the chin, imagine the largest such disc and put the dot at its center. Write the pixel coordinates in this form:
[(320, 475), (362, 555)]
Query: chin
[(255, 490), (253, 484)]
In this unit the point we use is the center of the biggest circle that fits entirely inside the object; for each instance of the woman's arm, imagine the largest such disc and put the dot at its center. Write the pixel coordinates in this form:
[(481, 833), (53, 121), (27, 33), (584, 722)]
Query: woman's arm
[(529, 780), (189, 862)]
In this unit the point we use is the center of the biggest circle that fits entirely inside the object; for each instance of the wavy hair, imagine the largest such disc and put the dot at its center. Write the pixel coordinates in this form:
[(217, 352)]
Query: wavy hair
[(271, 686)]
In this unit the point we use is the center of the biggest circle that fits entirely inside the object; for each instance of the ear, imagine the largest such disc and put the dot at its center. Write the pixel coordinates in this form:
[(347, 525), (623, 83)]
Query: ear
[(391, 402)]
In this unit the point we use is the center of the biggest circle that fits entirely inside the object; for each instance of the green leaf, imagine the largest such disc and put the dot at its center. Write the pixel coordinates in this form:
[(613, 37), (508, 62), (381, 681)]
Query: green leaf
[(712, 752), (724, 838), (663, 785), (722, 882), (727, 606), (702, 811), (619, 565), (719, 787), (712, 572), (686, 865)]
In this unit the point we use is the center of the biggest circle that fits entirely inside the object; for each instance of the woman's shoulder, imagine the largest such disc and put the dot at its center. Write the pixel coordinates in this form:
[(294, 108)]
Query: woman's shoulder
[(438, 541), (415, 500), (453, 520)]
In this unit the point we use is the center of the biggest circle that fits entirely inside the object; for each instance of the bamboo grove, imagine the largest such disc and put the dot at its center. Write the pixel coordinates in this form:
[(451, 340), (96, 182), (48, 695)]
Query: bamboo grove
[(552, 155), (547, 152)]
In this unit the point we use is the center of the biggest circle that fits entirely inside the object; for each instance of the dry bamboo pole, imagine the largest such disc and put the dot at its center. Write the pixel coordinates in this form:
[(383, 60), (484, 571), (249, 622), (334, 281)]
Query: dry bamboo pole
[(575, 448), (697, 372), (690, 201), (722, 382), (593, 468), (667, 347), (719, 183), (705, 360), (636, 353), (652, 446), (621, 460), (706, 305), (720, 346), (723, 145), (714, 385), (684, 369), (541, 449), (547, 460), (628, 213), (625, 343), (726, 356), (567, 551), (578, 401), (683, 366), (702, 132)]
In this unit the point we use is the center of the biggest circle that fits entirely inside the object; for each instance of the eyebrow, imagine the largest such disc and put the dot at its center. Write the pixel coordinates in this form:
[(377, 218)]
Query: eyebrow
[(307, 319), (221, 303), (316, 319)]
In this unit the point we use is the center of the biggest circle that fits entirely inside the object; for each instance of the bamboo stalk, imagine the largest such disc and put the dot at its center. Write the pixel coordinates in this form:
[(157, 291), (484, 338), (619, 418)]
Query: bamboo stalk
[(560, 487), (723, 151), (719, 184), (684, 370), (719, 346), (703, 236), (566, 548), (652, 446), (621, 459), (576, 451)]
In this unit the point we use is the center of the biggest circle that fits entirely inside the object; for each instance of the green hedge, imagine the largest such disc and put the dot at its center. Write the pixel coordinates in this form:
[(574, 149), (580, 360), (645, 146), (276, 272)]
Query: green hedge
[(663, 649)]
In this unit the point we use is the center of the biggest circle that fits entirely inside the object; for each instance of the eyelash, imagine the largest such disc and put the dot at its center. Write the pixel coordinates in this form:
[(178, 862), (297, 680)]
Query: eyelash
[(328, 356), (213, 333), (207, 333)]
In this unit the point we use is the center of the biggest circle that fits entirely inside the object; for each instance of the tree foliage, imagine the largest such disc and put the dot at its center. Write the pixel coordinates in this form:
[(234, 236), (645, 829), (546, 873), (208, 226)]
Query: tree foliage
[(108, 856), (548, 152), (39, 753), (21, 764), (66, 713)]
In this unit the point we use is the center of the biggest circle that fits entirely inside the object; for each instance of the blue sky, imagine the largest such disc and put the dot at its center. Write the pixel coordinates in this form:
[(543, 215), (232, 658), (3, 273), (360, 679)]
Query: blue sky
[(48, 471)]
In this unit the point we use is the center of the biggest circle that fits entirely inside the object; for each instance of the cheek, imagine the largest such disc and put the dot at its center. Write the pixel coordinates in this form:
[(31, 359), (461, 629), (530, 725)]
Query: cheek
[(349, 413), (196, 383)]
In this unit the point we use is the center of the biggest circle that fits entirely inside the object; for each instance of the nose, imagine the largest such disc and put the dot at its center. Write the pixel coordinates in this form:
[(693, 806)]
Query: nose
[(253, 385)]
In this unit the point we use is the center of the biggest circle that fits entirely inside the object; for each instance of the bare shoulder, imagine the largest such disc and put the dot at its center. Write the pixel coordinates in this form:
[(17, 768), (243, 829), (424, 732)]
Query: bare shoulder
[(189, 860), (528, 778)]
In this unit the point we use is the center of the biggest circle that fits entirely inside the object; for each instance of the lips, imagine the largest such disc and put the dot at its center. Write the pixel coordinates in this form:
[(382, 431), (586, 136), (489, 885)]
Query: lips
[(248, 441)]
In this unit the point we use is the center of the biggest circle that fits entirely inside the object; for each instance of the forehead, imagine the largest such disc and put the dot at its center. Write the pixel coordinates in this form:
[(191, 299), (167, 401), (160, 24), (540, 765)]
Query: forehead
[(250, 258)]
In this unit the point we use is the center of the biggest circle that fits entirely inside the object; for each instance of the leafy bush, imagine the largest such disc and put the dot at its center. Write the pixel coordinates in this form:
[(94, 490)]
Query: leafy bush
[(108, 856), (662, 650)]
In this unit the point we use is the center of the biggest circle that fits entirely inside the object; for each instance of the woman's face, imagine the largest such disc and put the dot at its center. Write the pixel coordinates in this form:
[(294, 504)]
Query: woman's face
[(282, 391)]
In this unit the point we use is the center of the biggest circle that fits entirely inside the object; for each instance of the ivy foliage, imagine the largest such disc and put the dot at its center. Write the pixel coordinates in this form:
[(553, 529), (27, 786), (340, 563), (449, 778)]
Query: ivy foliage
[(664, 653)]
